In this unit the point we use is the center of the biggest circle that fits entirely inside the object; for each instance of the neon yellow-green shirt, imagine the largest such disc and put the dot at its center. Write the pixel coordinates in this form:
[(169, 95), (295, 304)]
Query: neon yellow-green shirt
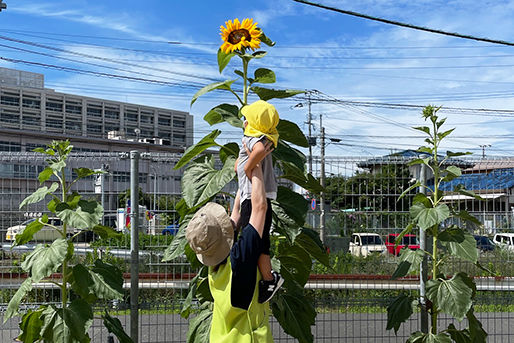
[(232, 324)]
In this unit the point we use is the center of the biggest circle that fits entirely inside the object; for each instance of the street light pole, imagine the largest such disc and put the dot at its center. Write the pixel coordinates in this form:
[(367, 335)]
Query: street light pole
[(322, 182)]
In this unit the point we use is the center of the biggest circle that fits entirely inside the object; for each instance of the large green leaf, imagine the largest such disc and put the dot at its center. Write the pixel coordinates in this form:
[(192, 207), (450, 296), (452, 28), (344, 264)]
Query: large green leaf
[(114, 326), (45, 260), (194, 150), (39, 194), (83, 217), (464, 246), (426, 217), (464, 215), (105, 231), (283, 224), (82, 282), (290, 132), (476, 331), (399, 311), (58, 165), (45, 175), (224, 85), (286, 153), (14, 303), (294, 204), (54, 328), (309, 241), (176, 247), (295, 263), (78, 317), (296, 315), (201, 180), (267, 93), (85, 172), (28, 232), (264, 75), (30, 326), (200, 327), (229, 149), (306, 181), (224, 113), (451, 296), (409, 261), (459, 336), (107, 281), (451, 172), (419, 337), (224, 59), (460, 189)]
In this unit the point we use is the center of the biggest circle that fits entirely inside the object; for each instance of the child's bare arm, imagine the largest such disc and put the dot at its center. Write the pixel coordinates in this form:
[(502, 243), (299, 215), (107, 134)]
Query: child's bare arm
[(259, 152), (235, 216)]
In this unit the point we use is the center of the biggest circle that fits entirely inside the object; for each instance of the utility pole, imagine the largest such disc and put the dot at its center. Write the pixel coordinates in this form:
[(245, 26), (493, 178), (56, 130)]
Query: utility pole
[(483, 146), (309, 122), (3, 6), (322, 182)]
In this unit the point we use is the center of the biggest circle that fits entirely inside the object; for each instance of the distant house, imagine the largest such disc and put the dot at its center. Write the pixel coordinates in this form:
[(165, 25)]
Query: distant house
[(403, 158)]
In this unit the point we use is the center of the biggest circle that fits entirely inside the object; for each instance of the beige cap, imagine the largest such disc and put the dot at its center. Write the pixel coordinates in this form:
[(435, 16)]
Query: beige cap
[(210, 234)]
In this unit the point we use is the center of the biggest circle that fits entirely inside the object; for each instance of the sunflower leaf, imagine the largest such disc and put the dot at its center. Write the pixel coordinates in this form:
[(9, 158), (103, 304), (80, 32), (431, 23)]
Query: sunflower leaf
[(224, 59), (224, 113), (265, 39), (195, 150), (225, 85), (264, 75), (268, 93)]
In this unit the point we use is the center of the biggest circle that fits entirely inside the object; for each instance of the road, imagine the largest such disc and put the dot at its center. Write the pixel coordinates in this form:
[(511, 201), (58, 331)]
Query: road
[(330, 327)]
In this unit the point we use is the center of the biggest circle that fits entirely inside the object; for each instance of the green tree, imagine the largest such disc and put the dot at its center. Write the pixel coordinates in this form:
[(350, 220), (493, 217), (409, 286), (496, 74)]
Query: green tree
[(296, 246), (81, 285), (451, 295)]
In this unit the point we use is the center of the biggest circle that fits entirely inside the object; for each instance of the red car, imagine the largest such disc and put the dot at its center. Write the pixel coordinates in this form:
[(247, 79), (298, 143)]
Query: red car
[(409, 241)]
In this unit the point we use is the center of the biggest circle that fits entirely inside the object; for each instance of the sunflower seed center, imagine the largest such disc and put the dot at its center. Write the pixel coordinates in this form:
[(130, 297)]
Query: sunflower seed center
[(235, 36)]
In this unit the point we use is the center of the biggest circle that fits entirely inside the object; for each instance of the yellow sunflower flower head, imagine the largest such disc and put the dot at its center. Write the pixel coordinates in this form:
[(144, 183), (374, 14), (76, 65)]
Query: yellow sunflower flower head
[(238, 36)]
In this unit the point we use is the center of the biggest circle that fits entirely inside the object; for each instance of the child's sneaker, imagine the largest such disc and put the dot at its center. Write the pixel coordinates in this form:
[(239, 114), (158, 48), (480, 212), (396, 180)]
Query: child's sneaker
[(267, 289)]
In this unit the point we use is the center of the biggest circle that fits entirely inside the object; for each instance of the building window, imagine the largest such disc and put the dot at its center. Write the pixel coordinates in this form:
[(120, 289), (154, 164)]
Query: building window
[(147, 117), (54, 105), (31, 119), (94, 110), (131, 115), (73, 106), (164, 120), (179, 123), (7, 116), (31, 101), (10, 146), (73, 124), (111, 127), (10, 99), (112, 112), (94, 128), (54, 123)]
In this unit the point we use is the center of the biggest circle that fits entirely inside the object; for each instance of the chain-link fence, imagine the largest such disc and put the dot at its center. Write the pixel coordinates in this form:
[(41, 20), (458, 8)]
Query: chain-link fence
[(351, 297)]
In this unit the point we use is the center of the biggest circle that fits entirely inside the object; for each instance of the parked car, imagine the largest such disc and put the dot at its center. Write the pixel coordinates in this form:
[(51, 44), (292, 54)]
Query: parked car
[(45, 234), (364, 243), (408, 241), (484, 243), (504, 240)]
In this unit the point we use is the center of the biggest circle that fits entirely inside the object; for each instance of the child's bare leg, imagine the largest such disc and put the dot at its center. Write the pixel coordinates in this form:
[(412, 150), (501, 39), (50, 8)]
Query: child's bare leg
[(264, 264)]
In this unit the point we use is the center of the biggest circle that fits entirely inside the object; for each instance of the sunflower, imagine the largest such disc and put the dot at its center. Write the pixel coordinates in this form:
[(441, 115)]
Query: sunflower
[(238, 36)]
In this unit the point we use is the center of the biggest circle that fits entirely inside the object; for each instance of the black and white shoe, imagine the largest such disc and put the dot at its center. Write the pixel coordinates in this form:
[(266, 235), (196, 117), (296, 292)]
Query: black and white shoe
[(267, 289)]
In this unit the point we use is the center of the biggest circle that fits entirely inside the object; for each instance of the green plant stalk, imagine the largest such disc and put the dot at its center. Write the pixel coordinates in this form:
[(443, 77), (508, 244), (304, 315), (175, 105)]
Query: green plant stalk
[(65, 262), (245, 80), (435, 228)]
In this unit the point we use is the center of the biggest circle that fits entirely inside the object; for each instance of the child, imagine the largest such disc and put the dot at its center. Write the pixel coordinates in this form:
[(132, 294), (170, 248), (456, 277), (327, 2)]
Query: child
[(260, 137)]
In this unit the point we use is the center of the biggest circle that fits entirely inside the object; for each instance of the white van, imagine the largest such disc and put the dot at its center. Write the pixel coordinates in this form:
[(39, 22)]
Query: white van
[(504, 240), (46, 234), (364, 244)]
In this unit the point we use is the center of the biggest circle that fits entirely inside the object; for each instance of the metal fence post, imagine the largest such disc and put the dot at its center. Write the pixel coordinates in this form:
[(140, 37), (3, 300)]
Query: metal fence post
[(423, 273), (134, 246)]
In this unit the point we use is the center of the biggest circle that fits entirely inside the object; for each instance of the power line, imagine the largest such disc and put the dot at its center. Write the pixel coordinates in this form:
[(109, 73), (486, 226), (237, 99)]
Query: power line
[(410, 26)]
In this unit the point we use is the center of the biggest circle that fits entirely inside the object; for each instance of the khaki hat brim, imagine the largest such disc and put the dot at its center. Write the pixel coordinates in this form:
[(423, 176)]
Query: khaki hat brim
[(223, 220)]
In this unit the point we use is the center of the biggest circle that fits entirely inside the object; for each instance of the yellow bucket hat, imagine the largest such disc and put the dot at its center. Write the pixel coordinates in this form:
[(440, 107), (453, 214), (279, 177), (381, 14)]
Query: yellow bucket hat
[(262, 118)]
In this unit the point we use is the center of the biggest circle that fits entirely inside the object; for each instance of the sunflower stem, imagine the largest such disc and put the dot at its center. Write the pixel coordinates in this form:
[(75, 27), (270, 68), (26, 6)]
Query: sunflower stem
[(245, 80)]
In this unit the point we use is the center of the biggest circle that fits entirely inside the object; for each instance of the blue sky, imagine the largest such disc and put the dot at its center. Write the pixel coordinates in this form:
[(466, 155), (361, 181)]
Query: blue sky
[(343, 57)]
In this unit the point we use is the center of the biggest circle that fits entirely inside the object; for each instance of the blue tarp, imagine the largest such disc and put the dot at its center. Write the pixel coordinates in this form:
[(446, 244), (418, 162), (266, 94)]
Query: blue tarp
[(496, 179)]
